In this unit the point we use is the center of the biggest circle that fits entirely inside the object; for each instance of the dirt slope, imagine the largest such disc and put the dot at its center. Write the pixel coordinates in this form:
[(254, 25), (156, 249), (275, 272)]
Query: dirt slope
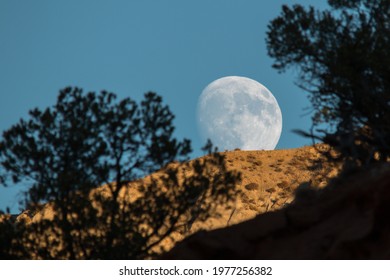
[(269, 181)]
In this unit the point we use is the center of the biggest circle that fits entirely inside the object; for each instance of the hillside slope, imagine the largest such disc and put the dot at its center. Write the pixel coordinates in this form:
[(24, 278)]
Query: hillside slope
[(269, 180)]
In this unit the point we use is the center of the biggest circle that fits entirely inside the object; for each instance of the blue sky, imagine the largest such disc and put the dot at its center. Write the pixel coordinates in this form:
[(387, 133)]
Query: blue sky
[(175, 48)]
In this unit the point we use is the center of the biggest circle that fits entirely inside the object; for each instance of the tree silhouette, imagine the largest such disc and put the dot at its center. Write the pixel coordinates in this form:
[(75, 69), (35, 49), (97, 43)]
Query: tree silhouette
[(343, 57), (83, 159)]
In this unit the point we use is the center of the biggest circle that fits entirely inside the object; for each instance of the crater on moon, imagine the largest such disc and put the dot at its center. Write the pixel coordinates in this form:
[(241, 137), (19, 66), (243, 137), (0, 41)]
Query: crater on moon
[(238, 112)]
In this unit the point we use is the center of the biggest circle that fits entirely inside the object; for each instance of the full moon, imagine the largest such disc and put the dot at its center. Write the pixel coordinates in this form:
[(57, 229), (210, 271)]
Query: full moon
[(238, 112)]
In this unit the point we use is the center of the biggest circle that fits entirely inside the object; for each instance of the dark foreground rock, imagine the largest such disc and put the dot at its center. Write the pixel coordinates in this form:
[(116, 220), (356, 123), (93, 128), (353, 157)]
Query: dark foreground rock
[(350, 219)]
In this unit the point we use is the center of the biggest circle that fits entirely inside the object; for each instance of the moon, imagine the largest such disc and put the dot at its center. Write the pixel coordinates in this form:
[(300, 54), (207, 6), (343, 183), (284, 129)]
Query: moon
[(238, 112)]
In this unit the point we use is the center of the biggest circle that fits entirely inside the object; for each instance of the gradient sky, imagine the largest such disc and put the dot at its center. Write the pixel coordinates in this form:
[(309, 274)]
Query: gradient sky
[(129, 47)]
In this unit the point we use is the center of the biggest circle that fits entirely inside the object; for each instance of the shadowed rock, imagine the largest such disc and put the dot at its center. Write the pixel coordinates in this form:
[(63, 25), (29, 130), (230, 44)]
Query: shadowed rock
[(346, 220)]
